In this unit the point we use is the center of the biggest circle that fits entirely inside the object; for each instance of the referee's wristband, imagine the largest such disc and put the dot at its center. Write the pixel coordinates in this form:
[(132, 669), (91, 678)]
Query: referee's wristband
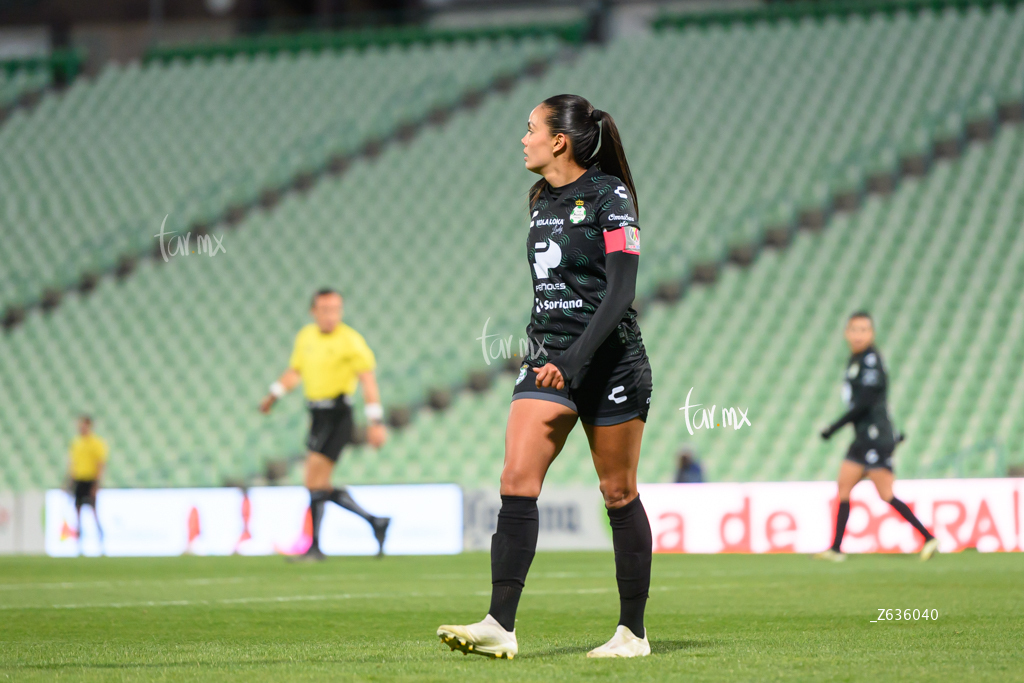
[(374, 412), (277, 390)]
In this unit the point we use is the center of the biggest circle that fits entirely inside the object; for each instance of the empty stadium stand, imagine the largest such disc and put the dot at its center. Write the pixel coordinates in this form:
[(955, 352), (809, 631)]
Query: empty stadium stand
[(738, 134), (940, 264), (90, 174)]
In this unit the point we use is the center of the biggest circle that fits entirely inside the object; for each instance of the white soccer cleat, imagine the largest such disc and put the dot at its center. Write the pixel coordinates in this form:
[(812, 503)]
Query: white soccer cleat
[(830, 555), (487, 638), (623, 644), (930, 548)]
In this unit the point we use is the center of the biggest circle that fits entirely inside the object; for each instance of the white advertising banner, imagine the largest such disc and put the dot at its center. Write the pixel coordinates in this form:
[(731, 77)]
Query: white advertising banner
[(798, 517), (425, 519), (571, 518)]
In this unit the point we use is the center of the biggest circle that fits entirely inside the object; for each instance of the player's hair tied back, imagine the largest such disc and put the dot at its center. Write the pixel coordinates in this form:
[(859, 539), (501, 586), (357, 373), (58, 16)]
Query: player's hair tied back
[(593, 136)]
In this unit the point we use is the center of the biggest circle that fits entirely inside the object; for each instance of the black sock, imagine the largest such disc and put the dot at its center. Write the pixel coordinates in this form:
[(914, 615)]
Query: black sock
[(909, 515), (99, 529), (317, 500), (631, 538), (513, 546), (841, 517), (342, 498)]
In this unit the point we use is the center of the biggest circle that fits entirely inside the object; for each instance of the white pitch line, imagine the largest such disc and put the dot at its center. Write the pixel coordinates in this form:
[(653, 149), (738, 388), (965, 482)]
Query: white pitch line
[(115, 584), (191, 603), (295, 598)]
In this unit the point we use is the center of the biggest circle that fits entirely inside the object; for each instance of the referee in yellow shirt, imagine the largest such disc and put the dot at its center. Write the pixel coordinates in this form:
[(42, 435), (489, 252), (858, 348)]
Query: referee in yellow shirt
[(329, 358), (88, 455)]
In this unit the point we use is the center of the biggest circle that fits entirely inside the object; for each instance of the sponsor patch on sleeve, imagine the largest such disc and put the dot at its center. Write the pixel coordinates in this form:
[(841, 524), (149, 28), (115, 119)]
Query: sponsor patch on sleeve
[(625, 239)]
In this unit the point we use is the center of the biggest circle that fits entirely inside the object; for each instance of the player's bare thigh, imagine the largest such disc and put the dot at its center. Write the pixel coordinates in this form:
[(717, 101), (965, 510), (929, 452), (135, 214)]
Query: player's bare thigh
[(534, 435), (883, 480), (616, 453), (318, 471), (849, 474)]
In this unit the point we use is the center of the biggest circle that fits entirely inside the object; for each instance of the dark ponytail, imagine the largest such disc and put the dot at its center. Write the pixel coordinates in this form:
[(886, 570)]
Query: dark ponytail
[(593, 137)]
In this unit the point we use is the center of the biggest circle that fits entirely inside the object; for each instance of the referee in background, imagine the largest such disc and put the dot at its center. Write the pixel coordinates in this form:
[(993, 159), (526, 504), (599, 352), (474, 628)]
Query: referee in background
[(330, 358), (87, 457)]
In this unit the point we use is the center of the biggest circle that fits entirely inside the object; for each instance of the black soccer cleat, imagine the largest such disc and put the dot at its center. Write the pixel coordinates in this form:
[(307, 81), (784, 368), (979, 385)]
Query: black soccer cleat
[(380, 531), (314, 554)]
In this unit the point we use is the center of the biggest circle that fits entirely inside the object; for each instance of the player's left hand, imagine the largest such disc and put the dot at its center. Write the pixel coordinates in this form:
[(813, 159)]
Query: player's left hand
[(826, 433), (376, 435), (549, 376)]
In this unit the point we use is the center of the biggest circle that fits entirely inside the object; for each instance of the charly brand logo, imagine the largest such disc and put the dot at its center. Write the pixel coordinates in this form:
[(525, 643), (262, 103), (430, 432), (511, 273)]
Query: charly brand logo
[(616, 396), (705, 419), (579, 214), (178, 245), (501, 347)]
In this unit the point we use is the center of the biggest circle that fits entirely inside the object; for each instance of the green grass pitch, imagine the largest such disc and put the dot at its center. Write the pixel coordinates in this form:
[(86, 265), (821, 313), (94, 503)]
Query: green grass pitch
[(710, 618)]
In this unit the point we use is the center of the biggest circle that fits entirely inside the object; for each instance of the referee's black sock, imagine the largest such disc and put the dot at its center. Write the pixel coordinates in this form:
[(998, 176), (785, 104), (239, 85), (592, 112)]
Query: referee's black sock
[(909, 515), (317, 500), (99, 529), (631, 538), (513, 546), (342, 498), (841, 517)]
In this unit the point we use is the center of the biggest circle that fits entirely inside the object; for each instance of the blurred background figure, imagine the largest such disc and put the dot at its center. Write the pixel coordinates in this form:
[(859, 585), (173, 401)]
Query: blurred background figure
[(688, 469), (332, 359), (88, 456)]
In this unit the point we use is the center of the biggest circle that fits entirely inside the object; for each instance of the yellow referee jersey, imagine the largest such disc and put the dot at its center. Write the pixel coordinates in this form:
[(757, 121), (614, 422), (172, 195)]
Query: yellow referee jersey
[(87, 454), (330, 364)]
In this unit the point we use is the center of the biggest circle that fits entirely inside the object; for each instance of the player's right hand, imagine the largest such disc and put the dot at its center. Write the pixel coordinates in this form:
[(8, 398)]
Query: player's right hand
[(267, 403), (549, 376), (376, 435)]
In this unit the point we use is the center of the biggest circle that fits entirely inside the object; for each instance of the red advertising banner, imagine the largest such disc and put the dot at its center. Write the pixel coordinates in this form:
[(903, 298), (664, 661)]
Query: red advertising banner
[(798, 517)]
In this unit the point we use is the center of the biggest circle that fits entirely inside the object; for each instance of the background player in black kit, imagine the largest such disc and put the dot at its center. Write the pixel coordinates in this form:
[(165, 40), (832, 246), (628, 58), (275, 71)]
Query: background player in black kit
[(865, 391), (588, 363)]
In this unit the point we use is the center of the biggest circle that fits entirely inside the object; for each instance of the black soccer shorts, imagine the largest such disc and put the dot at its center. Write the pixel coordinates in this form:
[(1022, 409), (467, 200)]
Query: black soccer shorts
[(330, 427), (83, 492), (872, 454), (614, 388)]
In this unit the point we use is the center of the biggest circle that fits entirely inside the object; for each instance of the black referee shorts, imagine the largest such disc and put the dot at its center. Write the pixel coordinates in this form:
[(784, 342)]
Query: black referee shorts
[(614, 388), (83, 492), (872, 454), (330, 426)]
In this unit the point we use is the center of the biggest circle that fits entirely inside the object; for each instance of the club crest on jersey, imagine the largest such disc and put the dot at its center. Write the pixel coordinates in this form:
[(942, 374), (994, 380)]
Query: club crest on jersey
[(579, 214), (522, 374)]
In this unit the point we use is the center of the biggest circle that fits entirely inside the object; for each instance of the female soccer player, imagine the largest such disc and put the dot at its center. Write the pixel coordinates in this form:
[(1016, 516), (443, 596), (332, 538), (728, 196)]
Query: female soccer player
[(588, 362), (864, 392)]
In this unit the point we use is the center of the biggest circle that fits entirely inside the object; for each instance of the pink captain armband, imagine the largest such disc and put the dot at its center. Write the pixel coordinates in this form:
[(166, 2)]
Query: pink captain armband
[(625, 239)]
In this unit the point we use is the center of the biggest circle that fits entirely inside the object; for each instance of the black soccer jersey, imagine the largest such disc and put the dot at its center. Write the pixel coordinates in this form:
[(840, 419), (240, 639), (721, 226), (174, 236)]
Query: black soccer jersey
[(572, 228), (864, 392)]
